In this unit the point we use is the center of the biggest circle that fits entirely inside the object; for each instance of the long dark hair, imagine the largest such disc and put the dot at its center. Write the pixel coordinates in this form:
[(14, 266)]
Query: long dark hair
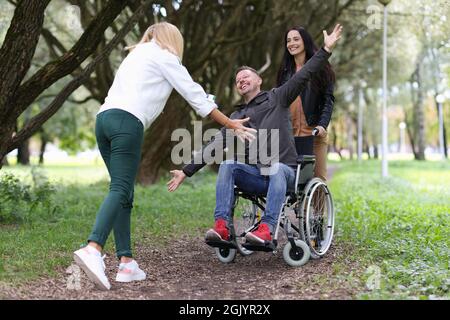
[(287, 68)]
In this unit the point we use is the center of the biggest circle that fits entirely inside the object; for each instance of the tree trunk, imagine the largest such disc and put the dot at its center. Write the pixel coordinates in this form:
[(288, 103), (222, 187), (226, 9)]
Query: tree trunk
[(334, 142), (443, 127), (44, 142), (366, 149), (23, 153), (6, 130), (156, 147), (4, 162), (419, 115), (350, 136), (445, 142), (411, 138), (375, 152)]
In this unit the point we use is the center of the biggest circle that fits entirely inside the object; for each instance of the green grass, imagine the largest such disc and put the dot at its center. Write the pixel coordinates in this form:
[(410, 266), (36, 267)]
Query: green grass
[(46, 236), (62, 174), (400, 224)]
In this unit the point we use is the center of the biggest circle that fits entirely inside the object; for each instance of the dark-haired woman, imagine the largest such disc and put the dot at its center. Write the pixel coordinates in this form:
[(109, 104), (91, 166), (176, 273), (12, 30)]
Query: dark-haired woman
[(313, 108)]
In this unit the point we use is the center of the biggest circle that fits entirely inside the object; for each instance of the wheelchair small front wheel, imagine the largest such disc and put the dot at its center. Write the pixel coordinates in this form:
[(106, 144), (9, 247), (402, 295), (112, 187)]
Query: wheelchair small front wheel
[(296, 257), (226, 255)]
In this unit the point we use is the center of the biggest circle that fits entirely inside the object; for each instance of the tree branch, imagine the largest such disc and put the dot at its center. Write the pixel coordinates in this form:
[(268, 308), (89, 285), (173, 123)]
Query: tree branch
[(36, 122), (67, 63), (18, 49), (53, 42), (81, 101)]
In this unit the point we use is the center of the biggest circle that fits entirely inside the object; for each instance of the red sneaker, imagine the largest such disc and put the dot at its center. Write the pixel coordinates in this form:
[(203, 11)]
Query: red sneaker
[(261, 234), (220, 231)]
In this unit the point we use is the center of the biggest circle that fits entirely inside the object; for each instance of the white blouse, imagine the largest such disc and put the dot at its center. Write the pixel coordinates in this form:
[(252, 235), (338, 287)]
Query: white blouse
[(145, 79)]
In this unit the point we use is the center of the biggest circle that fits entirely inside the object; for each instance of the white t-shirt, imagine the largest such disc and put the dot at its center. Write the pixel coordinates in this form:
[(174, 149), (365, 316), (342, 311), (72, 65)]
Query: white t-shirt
[(145, 79)]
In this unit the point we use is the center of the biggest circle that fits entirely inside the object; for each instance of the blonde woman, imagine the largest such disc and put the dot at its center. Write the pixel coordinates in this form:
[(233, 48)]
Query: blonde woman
[(138, 95)]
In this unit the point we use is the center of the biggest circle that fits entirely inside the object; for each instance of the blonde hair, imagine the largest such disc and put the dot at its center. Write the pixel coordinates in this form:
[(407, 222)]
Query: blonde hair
[(166, 35)]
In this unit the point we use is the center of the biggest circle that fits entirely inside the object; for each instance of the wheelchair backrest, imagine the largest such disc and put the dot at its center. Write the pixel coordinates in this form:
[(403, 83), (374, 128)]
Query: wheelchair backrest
[(304, 145), (305, 159)]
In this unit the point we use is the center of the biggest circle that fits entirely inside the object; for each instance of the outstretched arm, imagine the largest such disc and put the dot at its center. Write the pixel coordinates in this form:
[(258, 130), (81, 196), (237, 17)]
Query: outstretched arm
[(180, 79), (219, 141)]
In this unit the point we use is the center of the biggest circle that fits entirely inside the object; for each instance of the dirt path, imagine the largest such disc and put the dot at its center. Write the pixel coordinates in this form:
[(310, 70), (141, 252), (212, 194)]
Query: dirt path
[(188, 269)]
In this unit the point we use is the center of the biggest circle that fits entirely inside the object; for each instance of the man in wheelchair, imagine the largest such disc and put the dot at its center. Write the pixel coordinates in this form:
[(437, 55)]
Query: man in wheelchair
[(269, 112)]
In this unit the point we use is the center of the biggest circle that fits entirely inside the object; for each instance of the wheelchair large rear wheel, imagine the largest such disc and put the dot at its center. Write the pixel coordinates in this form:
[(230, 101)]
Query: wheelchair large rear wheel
[(245, 217), (317, 217)]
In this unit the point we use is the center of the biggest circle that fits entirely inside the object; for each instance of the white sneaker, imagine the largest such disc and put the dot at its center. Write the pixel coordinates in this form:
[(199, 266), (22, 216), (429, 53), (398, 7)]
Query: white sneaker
[(91, 261), (130, 272)]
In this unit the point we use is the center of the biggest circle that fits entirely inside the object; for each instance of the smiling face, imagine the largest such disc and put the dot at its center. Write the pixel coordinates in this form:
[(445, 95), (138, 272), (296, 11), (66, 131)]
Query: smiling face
[(248, 83), (294, 43)]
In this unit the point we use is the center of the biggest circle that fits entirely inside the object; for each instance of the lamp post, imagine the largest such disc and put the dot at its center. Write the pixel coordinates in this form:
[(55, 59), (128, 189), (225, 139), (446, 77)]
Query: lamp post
[(440, 98), (384, 135), (360, 120), (402, 127)]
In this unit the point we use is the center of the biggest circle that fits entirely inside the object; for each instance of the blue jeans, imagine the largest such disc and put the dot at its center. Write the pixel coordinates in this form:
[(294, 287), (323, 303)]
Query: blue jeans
[(249, 179)]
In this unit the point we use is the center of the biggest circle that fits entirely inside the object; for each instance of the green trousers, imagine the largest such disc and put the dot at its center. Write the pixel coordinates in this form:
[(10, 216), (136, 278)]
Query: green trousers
[(119, 137)]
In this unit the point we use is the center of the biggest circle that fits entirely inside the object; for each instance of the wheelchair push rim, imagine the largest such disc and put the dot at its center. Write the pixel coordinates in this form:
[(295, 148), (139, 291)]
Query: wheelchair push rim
[(318, 217)]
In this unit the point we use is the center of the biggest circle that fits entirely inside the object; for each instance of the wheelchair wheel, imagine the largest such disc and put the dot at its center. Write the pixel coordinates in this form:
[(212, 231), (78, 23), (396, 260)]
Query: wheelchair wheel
[(244, 220), (226, 255), (296, 257), (317, 217)]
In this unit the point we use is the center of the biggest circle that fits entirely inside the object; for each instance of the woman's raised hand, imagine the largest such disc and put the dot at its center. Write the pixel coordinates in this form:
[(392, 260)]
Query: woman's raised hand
[(330, 40)]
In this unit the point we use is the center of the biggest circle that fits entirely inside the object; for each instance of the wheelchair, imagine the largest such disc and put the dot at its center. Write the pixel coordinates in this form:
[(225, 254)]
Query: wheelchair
[(306, 217)]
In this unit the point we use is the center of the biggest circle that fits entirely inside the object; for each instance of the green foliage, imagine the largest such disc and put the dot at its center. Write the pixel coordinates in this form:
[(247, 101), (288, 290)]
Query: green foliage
[(57, 232), (400, 224), (19, 200)]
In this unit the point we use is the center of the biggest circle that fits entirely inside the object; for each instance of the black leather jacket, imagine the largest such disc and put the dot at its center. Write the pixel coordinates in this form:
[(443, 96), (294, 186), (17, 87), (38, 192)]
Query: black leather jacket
[(317, 105)]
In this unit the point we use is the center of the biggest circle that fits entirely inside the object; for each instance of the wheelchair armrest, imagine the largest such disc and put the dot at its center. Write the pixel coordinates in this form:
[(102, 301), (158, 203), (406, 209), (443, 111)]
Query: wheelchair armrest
[(305, 158)]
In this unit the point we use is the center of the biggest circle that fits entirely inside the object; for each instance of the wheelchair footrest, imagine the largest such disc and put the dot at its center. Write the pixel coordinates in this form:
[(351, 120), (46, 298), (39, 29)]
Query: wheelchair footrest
[(267, 246), (221, 244)]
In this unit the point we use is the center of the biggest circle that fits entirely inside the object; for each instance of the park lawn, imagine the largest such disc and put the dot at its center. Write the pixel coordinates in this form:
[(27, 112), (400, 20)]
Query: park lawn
[(399, 226), (36, 240)]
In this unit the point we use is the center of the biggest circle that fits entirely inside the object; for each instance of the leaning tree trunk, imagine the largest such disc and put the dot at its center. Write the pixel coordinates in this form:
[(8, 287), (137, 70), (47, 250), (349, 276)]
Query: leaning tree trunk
[(16, 54)]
